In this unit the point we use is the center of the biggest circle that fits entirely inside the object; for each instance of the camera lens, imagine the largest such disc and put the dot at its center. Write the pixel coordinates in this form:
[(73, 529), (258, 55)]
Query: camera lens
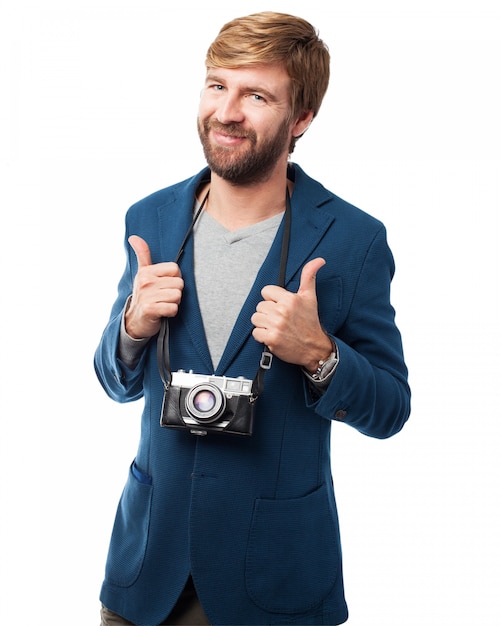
[(205, 402)]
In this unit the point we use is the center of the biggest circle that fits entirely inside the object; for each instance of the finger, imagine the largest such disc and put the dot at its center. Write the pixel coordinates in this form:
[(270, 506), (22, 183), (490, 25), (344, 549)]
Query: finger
[(307, 284), (141, 250), (272, 293)]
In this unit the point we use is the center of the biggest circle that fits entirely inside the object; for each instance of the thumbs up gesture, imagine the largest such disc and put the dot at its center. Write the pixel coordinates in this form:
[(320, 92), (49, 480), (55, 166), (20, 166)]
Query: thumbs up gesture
[(288, 322), (156, 292)]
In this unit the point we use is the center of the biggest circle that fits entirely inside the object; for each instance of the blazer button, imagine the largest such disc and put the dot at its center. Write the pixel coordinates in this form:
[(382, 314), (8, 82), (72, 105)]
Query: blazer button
[(340, 415)]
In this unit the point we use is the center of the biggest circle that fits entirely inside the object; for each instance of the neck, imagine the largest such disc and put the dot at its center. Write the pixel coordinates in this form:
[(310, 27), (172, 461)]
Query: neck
[(240, 206)]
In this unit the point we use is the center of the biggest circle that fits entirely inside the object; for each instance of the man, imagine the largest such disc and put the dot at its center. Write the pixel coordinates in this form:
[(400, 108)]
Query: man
[(242, 528)]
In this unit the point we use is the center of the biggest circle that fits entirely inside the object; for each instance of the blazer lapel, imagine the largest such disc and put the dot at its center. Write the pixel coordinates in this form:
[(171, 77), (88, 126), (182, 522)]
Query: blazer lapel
[(308, 225), (175, 222)]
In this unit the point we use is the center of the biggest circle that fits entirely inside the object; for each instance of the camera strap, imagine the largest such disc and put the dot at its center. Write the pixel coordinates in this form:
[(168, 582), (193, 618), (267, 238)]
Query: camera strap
[(163, 359), (266, 355)]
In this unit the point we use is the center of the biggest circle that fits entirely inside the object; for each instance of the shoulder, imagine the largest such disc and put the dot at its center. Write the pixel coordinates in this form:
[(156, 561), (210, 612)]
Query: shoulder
[(315, 197), (174, 195)]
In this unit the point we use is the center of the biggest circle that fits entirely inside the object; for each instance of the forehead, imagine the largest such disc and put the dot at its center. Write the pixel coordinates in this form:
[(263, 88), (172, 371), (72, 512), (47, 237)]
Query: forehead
[(271, 77)]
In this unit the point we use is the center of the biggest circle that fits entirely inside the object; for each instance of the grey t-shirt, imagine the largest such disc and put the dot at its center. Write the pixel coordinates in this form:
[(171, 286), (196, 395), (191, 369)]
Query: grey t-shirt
[(226, 265)]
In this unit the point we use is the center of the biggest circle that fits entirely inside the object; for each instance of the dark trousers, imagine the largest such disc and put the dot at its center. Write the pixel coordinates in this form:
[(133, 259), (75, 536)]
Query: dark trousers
[(187, 612)]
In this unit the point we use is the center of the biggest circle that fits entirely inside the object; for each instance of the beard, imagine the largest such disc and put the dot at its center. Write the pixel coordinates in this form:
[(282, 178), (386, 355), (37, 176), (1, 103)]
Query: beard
[(239, 166)]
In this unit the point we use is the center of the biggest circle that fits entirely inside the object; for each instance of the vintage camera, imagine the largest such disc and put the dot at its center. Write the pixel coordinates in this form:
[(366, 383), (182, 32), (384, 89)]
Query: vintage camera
[(204, 404)]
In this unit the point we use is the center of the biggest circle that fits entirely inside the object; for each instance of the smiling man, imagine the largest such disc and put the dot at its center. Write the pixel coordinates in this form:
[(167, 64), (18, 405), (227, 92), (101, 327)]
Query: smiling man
[(254, 310)]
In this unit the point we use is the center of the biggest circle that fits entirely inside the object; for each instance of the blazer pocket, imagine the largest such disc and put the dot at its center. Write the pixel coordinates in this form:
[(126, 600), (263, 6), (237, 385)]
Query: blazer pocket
[(292, 555), (130, 530)]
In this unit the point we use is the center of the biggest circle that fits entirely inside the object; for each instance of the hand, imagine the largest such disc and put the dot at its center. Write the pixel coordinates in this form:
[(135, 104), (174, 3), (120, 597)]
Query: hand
[(156, 293), (288, 322)]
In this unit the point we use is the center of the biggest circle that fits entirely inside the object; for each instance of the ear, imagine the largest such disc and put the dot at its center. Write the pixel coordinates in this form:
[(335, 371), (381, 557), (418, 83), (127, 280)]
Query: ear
[(302, 123)]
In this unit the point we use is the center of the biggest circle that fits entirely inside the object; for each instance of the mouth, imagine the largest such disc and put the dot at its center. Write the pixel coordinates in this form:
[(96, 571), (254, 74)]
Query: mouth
[(227, 139), (227, 135)]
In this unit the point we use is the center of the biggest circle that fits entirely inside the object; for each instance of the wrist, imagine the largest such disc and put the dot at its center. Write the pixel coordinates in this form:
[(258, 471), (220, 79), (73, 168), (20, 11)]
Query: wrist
[(321, 356), (128, 326)]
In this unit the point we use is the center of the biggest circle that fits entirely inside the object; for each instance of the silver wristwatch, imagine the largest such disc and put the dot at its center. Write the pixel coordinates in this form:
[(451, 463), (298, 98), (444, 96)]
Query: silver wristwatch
[(325, 368)]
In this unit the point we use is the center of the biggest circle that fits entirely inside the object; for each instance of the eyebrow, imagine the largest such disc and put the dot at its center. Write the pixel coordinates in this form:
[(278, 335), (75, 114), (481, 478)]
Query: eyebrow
[(249, 88)]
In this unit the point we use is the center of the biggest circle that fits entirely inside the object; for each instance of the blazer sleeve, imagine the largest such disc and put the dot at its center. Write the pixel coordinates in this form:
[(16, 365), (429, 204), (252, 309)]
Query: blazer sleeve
[(369, 389), (120, 382)]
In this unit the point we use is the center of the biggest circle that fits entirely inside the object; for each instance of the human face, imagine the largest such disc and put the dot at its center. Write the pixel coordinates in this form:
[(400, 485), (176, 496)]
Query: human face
[(244, 122)]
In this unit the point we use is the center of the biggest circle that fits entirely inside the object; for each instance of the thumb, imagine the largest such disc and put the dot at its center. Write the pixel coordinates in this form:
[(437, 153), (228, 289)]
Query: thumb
[(307, 285), (141, 249)]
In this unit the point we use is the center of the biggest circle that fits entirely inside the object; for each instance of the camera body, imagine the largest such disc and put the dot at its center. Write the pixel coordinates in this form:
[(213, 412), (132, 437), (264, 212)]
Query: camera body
[(208, 404)]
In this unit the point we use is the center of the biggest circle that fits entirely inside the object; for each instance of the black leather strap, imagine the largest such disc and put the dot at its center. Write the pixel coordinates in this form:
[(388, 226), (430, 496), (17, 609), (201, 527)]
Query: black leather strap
[(267, 356), (163, 358)]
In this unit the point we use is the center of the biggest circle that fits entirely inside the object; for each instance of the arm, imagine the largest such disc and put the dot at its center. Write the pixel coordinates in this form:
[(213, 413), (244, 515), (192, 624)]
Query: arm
[(368, 389), (156, 292)]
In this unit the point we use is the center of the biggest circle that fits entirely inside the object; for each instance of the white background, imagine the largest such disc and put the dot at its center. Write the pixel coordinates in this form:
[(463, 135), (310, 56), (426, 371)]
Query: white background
[(98, 110)]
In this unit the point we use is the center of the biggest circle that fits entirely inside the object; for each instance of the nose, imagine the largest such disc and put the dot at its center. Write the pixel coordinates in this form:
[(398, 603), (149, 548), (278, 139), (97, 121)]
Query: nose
[(230, 109)]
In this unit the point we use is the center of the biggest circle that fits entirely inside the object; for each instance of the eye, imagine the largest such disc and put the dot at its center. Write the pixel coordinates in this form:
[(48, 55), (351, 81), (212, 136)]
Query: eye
[(213, 88), (258, 98)]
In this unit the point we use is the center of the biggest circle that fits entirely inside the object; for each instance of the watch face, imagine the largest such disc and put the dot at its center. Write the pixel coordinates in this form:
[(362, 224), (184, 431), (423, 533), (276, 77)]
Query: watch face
[(328, 366)]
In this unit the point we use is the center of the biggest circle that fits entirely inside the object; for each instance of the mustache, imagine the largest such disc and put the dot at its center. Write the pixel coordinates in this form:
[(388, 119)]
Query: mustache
[(232, 129)]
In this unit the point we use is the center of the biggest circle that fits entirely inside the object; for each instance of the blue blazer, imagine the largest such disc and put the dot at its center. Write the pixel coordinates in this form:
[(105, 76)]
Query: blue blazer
[(253, 519)]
